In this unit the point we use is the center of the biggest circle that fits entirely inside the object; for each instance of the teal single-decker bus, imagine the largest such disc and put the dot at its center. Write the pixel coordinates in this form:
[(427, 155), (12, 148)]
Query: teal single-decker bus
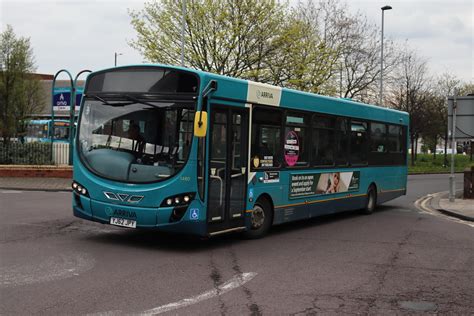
[(181, 150)]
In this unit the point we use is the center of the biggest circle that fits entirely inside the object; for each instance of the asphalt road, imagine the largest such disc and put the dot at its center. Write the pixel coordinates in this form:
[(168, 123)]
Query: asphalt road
[(395, 261)]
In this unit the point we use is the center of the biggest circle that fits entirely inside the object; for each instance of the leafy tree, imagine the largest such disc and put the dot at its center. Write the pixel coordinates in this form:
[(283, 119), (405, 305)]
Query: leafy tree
[(20, 93), (225, 37), (260, 40)]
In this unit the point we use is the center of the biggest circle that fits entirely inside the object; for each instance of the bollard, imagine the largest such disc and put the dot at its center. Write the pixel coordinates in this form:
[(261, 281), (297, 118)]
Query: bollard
[(468, 183)]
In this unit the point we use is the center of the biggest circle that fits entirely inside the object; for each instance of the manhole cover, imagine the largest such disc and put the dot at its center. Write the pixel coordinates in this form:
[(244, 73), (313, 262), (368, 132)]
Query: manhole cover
[(421, 306)]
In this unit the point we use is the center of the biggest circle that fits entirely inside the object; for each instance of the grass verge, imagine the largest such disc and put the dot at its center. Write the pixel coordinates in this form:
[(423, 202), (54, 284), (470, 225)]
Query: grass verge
[(427, 163)]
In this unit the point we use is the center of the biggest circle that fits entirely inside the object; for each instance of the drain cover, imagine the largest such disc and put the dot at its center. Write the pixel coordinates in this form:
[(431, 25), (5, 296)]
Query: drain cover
[(421, 306)]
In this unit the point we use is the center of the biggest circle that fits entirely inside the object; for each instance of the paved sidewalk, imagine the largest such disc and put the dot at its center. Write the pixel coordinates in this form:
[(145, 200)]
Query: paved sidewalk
[(463, 209), (35, 184)]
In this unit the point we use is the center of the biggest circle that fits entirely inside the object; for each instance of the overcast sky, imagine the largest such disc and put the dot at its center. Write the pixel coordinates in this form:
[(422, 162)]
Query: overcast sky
[(85, 34)]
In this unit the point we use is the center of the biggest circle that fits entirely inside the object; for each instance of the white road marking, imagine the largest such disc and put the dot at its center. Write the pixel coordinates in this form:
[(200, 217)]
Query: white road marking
[(236, 281), (54, 268), (11, 191), (233, 283)]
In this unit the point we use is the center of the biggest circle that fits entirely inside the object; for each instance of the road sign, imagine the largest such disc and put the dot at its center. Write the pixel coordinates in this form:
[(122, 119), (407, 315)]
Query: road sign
[(464, 117), (62, 99)]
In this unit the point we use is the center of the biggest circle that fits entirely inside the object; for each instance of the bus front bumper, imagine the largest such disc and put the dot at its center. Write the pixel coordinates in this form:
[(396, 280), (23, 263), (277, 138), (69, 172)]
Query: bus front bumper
[(157, 218)]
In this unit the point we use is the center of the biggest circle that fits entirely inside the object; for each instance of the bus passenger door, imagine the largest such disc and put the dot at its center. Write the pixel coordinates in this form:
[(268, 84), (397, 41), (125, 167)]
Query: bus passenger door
[(227, 168)]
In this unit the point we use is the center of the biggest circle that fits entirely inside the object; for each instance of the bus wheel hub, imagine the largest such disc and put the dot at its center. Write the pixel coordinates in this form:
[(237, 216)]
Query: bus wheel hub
[(258, 217)]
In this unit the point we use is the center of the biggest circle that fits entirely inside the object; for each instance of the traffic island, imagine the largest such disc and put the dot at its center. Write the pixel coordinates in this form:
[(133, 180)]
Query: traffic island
[(460, 208)]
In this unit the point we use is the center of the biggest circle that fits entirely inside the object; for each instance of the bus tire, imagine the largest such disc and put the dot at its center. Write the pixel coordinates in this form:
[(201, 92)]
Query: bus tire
[(261, 220), (371, 200)]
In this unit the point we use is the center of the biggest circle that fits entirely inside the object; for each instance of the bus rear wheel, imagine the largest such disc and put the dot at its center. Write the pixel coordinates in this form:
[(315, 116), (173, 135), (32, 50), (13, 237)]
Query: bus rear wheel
[(261, 220), (371, 200)]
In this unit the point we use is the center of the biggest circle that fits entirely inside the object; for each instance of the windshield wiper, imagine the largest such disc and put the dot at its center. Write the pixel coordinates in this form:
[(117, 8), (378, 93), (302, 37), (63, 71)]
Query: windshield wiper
[(112, 104), (130, 98)]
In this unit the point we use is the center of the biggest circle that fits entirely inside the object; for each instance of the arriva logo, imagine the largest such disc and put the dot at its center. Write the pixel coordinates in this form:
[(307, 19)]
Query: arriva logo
[(264, 94), (62, 101)]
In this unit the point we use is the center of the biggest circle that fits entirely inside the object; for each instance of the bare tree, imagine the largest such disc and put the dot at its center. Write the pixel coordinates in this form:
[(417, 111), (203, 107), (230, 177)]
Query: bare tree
[(360, 60), (445, 86), (409, 94), (354, 69)]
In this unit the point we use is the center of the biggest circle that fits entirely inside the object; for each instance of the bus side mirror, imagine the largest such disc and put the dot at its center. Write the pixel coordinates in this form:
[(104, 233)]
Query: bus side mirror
[(200, 124)]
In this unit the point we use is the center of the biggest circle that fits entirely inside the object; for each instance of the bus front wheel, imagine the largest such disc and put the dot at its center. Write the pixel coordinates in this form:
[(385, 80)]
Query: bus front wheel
[(261, 220), (371, 200)]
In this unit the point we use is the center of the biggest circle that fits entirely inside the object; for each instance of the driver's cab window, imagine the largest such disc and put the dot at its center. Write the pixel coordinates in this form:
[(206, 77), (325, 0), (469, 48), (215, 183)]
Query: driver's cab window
[(266, 139)]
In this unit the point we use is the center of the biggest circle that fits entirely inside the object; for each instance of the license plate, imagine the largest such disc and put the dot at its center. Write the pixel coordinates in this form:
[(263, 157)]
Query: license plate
[(123, 222)]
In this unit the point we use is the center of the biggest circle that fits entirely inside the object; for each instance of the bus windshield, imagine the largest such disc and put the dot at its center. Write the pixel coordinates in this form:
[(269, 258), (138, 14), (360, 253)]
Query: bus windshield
[(132, 141), (61, 131)]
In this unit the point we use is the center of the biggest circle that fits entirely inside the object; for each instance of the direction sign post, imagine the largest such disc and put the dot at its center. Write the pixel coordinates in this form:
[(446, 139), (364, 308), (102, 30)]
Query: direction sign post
[(63, 102), (52, 105), (71, 115)]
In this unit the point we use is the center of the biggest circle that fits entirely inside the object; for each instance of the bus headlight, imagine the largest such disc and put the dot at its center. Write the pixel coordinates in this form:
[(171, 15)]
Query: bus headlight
[(178, 200), (79, 189)]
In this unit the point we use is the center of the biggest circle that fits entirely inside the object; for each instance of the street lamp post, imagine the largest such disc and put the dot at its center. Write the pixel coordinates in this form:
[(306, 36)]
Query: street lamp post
[(116, 54), (183, 27), (387, 7)]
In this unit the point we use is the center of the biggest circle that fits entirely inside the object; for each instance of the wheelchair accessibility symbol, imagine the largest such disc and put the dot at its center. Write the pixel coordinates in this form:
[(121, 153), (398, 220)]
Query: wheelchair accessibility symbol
[(194, 214)]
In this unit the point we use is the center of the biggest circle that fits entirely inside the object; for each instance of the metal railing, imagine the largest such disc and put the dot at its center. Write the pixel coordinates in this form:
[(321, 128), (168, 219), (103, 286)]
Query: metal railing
[(61, 153)]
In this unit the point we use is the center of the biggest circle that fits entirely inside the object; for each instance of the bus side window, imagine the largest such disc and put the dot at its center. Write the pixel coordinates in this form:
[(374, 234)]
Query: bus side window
[(342, 142), (296, 139), (378, 137), (395, 137), (323, 141), (395, 144), (359, 143)]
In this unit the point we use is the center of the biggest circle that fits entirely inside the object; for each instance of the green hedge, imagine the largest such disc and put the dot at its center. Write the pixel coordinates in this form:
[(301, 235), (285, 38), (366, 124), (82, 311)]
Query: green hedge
[(25, 154)]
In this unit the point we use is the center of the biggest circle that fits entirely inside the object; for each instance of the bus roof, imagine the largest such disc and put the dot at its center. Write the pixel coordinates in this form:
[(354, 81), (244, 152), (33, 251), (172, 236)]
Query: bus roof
[(247, 91)]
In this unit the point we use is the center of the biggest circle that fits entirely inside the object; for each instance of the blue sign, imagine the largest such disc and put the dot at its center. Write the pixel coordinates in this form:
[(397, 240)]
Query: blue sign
[(194, 214), (62, 99)]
